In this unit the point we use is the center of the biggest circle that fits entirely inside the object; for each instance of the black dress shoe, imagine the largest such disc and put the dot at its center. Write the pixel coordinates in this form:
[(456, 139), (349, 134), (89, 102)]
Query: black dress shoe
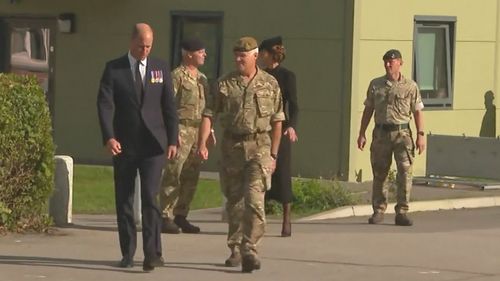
[(158, 262), (185, 225), (149, 264), (147, 267), (126, 262)]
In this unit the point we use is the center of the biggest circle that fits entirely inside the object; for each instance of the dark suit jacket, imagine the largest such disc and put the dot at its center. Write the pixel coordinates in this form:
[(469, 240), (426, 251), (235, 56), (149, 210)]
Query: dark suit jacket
[(122, 115), (287, 81)]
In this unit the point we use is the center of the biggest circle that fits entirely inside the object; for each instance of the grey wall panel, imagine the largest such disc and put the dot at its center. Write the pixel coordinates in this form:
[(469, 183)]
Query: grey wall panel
[(463, 156)]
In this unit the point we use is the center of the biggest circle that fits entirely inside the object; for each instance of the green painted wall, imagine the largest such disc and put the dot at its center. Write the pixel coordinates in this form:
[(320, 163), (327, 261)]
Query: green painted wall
[(317, 35), (384, 24)]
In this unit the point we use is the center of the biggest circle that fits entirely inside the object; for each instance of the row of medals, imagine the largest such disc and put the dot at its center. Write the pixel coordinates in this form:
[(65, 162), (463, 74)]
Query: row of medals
[(156, 76)]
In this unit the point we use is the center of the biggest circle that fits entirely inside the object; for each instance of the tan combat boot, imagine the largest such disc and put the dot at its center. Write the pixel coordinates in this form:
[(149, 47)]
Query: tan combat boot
[(250, 263), (234, 259), (376, 218), (403, 220)]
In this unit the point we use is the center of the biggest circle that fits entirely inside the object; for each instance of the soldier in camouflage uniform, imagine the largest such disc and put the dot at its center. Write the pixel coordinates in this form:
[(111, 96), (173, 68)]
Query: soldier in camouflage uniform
[(394, 99), (249, 105), (182, 173)]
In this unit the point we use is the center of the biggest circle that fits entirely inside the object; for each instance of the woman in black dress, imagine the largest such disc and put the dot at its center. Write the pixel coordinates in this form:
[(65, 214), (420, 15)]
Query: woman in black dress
[(271, 55)]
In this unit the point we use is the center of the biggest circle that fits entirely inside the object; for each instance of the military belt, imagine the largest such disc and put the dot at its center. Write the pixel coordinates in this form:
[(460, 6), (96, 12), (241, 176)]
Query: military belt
[(245, 137), (392, 127), (190, 123)]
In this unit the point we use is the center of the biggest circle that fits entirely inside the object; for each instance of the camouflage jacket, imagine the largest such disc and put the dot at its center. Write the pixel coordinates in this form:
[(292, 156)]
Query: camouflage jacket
[(190, 93), (246, 108), (393, 102)]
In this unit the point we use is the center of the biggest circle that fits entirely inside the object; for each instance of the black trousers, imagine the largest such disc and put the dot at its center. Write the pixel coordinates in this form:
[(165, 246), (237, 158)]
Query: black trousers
[(125, 170)]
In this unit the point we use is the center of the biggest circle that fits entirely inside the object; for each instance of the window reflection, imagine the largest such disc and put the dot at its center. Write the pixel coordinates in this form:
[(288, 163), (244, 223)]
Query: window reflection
[(432, 71), (434, 42), (207, 28), (30, 53)]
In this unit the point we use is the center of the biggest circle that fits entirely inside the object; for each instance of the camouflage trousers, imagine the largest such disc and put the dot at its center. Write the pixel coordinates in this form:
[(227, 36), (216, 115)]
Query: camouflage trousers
[(245, 177), (386, 144), (181, 175)]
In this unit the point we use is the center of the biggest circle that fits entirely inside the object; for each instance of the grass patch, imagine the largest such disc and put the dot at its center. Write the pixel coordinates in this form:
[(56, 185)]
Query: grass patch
[(93, 191), (208, 195)]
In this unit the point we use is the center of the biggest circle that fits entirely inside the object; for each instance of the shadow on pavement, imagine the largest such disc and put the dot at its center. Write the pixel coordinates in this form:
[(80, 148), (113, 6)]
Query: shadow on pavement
[(192, 266), (343, 263), (63, 263), (91, 227), (105, 265), (212, 233)]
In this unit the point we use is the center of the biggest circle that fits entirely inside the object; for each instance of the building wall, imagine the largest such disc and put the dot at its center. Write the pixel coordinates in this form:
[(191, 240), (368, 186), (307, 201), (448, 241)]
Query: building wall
[(384, 24), (316, 33)]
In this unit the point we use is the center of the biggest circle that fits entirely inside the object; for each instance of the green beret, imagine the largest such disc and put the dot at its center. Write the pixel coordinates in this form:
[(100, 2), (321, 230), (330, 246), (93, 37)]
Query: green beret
[(245, 44), (392, 54)]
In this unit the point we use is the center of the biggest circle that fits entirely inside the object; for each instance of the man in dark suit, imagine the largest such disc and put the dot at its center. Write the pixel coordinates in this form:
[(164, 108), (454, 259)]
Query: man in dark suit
[(139, 126)]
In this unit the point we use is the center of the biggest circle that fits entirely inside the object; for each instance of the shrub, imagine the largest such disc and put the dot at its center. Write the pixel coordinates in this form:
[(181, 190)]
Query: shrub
[(26, 154), (315, 195)]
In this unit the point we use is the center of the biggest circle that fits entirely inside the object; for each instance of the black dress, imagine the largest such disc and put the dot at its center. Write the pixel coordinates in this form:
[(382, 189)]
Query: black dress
[(281, 184)]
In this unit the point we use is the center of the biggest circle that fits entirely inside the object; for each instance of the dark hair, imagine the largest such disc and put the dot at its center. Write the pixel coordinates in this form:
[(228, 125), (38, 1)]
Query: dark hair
[(278, 53)]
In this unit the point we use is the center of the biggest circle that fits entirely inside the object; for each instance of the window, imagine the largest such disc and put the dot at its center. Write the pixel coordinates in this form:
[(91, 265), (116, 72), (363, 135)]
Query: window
[(27, 48), (433, 55), (206, 26), (30, 52)]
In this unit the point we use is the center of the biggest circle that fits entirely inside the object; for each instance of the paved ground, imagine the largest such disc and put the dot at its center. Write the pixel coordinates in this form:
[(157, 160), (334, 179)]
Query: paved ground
[(447, 245), (421, 192), (423, 198)]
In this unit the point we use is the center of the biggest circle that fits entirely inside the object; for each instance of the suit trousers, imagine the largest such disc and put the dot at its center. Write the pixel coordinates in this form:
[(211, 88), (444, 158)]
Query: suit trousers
[(125, 171)]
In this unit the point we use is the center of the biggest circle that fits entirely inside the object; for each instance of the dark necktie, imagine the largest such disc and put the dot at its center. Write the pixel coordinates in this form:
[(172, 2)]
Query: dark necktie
[(138, 82)]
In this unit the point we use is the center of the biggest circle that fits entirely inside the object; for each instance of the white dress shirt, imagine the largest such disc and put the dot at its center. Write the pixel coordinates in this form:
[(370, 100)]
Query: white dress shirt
[(142, 66)]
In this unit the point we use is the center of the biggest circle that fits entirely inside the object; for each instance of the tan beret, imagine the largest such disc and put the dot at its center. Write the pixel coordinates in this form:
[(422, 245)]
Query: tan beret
[(245, 44)]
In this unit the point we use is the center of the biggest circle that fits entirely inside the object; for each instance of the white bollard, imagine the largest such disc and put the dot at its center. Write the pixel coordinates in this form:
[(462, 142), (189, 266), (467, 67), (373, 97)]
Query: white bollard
[(61, 201), (137, 200)]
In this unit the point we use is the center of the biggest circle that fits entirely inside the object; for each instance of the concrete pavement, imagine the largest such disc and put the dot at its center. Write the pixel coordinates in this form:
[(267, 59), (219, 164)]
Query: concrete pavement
[(423, 198), (444, 245)]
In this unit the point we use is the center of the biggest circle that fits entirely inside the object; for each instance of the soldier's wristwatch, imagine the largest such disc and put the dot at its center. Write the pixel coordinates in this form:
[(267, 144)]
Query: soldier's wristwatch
[(274, 156), (421, 133)]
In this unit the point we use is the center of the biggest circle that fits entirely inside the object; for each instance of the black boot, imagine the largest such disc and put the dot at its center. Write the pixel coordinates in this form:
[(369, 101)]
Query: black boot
[(168, 226), (186, 227)]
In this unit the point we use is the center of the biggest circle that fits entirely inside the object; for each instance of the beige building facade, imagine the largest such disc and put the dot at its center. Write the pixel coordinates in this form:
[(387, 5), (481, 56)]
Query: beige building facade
[(452, 50)]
